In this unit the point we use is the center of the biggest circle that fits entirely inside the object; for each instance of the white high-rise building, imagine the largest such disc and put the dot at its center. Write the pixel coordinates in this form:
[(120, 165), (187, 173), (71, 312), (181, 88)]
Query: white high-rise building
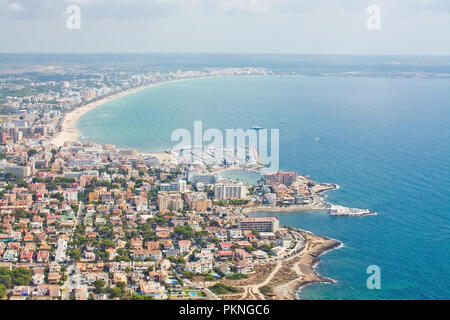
[(182, 186), (179, 185), (230, 190)]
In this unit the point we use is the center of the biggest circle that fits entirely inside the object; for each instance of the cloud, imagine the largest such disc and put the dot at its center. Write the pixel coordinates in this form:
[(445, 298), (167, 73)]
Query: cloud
[(130, 9), (245, 5), (15, 7), (226, 26)]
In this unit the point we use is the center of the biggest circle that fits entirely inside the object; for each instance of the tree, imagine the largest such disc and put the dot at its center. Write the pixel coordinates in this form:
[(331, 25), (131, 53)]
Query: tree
[(250, 249), (6, 277), (115, 292), (202, 234), (58, 196), (213, 223), (75, 254), (2, 291), (22, 184), (99, 285), (15, 277), (121, 285), (103, 255), (135, 296), (22, 276), (31, 153), (184, 232)]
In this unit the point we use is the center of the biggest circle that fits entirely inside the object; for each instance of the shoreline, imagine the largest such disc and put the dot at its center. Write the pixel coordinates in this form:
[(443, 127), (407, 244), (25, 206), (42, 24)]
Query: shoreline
[(302, 265), (314, 267), (306, 263), (288, 276), (68, 131)]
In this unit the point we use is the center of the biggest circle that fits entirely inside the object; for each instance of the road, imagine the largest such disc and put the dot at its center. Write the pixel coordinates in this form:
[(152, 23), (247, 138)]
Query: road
[(253, 290), (68, 286)]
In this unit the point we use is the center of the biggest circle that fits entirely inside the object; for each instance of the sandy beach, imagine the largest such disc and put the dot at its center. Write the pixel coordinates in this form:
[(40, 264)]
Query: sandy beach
[(69, 132), (163, 158)]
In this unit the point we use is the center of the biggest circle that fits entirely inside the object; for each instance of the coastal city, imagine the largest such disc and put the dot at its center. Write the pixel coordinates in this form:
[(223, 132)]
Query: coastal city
[(223, 159), (86, 221)]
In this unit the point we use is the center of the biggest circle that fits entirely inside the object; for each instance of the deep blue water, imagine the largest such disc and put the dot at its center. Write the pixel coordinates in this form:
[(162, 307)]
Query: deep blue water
[(385, 141)]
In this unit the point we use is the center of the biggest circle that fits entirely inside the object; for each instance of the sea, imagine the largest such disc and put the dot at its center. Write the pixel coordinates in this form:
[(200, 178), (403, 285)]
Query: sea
[(383, 138)]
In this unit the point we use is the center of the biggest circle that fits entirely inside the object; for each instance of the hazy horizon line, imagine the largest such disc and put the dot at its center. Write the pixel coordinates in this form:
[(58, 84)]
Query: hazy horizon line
[(226, 53)]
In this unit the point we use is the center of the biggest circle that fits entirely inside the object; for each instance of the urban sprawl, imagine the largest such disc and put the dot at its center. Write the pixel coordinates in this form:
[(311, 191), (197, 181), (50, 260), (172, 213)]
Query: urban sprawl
[(90, 221)]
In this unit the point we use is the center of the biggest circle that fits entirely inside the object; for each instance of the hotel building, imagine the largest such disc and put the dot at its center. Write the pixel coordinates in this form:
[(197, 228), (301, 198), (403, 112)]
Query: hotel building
[(263, 224), (229, 191)]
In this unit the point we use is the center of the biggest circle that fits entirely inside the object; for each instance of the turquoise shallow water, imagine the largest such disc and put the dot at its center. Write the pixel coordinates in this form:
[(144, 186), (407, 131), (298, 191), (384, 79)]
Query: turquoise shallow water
[(385, 141), (252, 178)]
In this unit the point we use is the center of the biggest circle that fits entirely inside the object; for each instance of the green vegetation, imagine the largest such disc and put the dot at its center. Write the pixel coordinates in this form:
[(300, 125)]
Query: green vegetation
[(115, 292), (250, 249), (5, 92), (11, 180), (75, 254), (147, 232), (139, 297), (58, 196), (15, 277), (266, 290), (237, 276), (236, 202), (222, 288), (178, 261), (31, 153), (7, 110), (219, 272), (266, 247), (188, 274), (210, 277), (99, 285), (53, 184), (118, 291), (2, 290), (184, 232)]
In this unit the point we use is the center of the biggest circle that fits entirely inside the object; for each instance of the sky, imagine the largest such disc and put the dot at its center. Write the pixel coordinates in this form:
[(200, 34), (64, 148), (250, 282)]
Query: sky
[(409, 27)]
